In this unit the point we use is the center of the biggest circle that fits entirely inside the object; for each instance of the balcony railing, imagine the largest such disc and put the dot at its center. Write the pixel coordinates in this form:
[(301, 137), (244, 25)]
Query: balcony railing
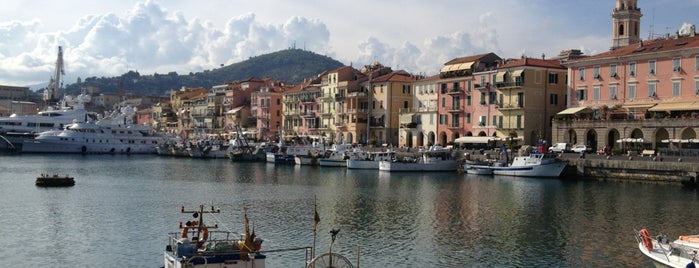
[(455, 109), (504, 85)]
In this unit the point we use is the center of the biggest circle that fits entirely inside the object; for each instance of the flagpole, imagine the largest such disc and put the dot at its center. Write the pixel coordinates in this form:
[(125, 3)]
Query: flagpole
[(316, 219)]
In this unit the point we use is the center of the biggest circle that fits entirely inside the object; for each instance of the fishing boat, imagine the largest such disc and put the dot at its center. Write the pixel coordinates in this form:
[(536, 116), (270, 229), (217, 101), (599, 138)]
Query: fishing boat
[(680, 253), (435, 158), (368, 160), (546, 165), (55, 180), (336, 156), (201, 244)]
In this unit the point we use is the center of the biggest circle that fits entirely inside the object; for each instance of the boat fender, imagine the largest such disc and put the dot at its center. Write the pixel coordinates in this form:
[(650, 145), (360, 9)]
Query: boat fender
[(184, 232), (645, 237), (691, 265), (204, 235)]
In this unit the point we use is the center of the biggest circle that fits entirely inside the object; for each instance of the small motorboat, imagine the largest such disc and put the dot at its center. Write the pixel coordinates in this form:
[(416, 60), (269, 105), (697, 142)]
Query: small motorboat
[(55, 180), (680, 253)]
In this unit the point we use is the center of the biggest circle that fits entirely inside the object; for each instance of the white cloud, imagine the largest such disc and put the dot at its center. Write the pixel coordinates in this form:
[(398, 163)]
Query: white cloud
[(190, 37)]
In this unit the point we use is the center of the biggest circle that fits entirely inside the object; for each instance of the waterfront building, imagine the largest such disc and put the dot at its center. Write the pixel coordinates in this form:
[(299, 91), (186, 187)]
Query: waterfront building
[(418, 124), (266, 108), (641, 94), (390, 93), (301, 109), (236, 103), (334, 84), (181, 102), (530, 93), (456, 96)]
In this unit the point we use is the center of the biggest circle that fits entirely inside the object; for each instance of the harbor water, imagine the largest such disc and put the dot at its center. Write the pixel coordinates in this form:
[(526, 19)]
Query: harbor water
[(121, 208)]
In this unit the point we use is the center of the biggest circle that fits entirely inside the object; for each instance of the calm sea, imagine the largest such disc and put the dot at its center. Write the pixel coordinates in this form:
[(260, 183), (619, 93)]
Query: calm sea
[(121, 208)]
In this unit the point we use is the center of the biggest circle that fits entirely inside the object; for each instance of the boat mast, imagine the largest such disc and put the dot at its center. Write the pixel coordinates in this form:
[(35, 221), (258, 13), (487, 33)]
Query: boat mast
[(51, 92)]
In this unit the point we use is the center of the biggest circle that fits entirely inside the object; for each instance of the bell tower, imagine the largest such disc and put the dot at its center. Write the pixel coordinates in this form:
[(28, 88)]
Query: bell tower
[(626, 23)]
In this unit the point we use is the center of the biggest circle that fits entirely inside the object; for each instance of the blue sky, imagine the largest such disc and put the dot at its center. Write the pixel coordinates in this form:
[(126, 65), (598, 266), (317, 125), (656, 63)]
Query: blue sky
[(108, 38)]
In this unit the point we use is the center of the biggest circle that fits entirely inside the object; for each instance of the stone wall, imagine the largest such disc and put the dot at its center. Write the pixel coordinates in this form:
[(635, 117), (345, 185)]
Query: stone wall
[(648, 171)]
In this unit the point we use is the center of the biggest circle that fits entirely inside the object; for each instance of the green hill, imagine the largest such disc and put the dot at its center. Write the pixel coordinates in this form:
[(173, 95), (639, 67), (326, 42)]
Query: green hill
[(291, 65)]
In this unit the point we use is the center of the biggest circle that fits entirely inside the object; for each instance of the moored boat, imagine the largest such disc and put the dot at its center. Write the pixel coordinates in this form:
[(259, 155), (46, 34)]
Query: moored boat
[(201, 244), (680, 253), (336, 156), (436, 158), (55, 180), (533, 165), (368, 160)]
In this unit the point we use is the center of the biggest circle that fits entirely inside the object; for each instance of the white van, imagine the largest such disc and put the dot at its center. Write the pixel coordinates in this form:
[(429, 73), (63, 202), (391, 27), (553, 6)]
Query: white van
[(560, 147)]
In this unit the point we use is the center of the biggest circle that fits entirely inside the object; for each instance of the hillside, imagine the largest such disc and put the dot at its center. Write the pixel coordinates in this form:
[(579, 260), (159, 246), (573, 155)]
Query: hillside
[(291, 65)]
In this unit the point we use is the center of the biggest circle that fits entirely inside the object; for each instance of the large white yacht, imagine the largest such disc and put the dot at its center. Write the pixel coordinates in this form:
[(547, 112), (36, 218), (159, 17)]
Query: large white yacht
[(115, 133)]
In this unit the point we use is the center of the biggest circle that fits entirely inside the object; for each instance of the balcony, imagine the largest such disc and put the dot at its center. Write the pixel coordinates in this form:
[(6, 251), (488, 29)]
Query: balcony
[(377, 124), (308, 114), (339, 97), (356, 111), (357, 94), (409, 125), (509, 107), (453, 91), (455, 109), (509, 85), (454, 127)]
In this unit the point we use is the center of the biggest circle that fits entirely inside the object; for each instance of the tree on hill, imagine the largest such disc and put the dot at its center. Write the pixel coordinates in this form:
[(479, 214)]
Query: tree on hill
[(290, 65)]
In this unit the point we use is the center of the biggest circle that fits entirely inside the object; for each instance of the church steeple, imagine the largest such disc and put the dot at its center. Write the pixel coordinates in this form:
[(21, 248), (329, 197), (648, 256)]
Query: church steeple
[(626, 23)]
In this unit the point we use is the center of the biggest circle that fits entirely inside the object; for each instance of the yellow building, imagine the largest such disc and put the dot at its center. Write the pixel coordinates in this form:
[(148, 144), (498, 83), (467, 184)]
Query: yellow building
[(530, 93)]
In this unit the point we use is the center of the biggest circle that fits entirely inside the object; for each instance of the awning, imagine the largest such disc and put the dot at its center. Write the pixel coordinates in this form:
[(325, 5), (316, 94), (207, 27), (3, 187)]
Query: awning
[(456, 67), (575, 110), (500, 77), (476, 139), (517, 73), (637, 105), (675, 106), (234, 110)]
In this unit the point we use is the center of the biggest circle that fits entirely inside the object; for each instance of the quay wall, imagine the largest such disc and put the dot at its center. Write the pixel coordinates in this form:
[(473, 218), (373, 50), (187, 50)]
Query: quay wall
[(646, 171)]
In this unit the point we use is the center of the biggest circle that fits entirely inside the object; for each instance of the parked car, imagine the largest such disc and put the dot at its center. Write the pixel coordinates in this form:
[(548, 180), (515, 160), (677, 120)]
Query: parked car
[(580, 148), (560, 147)]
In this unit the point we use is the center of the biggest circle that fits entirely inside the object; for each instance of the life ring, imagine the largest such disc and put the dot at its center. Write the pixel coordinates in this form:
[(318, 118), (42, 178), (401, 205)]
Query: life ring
[(645, 237)]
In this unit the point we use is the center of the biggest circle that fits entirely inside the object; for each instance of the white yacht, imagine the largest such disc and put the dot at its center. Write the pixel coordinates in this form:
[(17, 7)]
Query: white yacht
[(369, 160), (113, 134)]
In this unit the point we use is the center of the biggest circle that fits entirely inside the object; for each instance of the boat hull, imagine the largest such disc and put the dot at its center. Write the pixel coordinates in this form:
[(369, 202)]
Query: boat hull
[(444, 165), (362, 164), (50, 146), (552, 170), (306, 160), (54, 181), (332, 162)]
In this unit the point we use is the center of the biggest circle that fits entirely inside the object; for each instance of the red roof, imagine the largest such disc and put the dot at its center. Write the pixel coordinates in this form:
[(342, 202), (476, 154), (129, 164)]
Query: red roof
[(649, 46)]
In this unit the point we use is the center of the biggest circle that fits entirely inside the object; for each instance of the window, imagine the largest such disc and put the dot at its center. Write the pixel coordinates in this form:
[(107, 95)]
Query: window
[(455, 103), (595, 93), (553, 99), (482, 98), (612, 92), (519, 121), (676, 65), (520, 99), (468, 100), (696, 87), (455, 120), (651, 90), (651, 67), (442, 119), (581, 94), (468, 86), (495, 120), (482, 80), (455, 86), (696, 63), (612, 70), (632, 69), (444, 102), (468, 118), (482, 120), (632, 91), (676, 88), (553, 78), (500, 122), (595, 72), (492, 97), (581, 72)]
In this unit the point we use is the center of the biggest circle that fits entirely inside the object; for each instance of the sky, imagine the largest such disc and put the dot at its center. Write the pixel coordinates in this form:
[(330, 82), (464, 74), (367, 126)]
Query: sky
[(109, 38)]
